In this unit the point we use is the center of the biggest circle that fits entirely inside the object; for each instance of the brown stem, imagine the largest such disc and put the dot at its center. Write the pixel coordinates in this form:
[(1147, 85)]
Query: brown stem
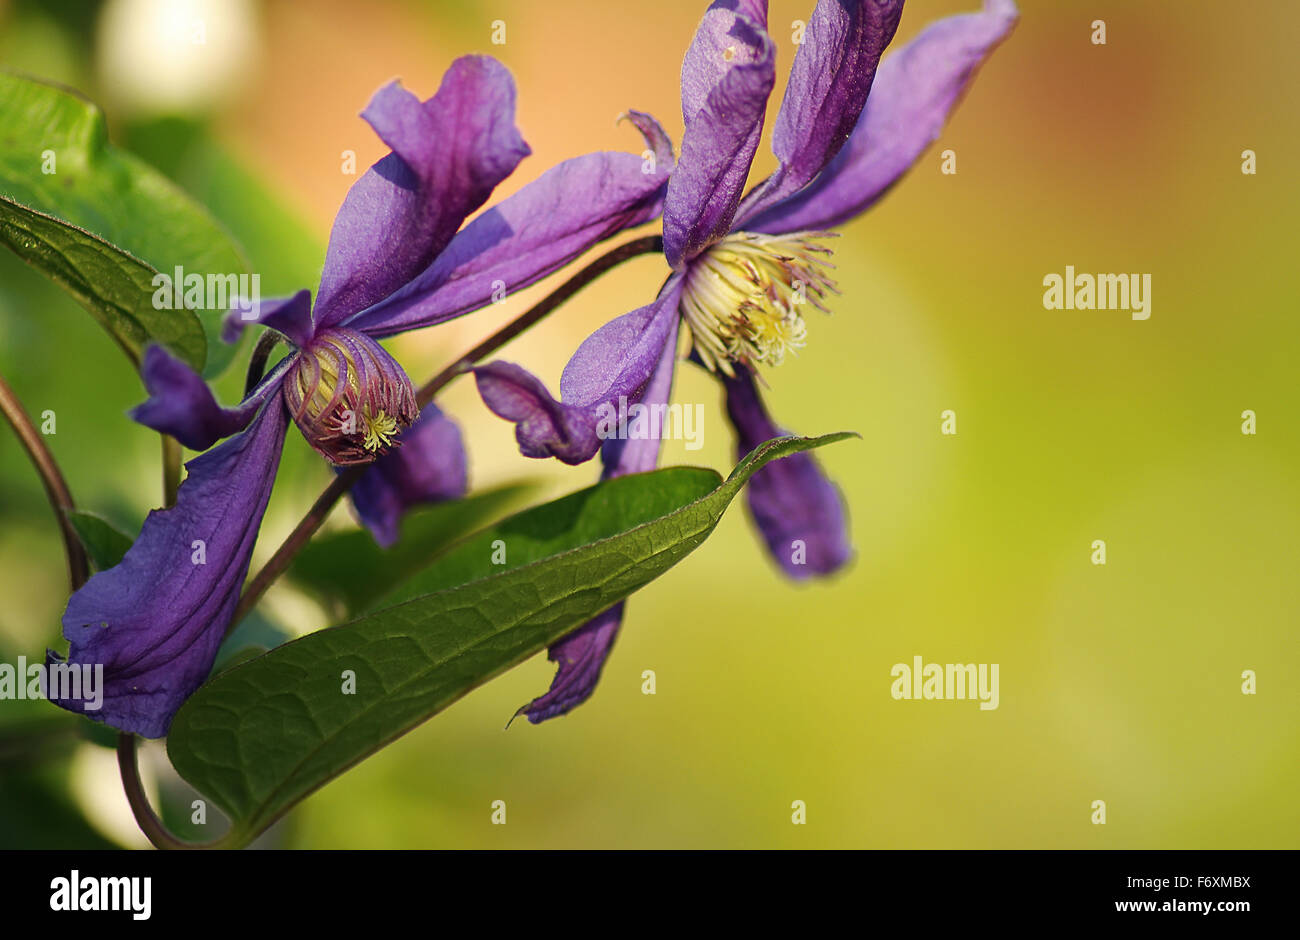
[(344, 481), (56, 489), (145, 817), (257, 362)]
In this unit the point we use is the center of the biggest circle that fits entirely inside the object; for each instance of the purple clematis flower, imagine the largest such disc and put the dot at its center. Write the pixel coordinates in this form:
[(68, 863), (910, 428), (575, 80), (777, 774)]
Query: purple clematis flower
[(398, 260), (743, 266)]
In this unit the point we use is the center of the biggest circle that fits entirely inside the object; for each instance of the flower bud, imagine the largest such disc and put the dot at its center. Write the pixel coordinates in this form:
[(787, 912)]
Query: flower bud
[(349, 397)]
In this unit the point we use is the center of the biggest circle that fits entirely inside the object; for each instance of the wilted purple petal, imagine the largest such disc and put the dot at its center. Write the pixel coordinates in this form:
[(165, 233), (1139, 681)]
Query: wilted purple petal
[(915, 90), (449, 153), (181, 404), (727, 77), (614, 363), (799, 512), (538, 230), (581, 656), (155, 621), (289, 316), (829, 82), (429, 466)]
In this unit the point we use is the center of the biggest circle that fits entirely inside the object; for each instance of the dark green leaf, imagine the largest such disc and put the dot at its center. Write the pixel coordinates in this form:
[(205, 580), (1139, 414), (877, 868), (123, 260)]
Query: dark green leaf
[(350, 570), (253, 637), (36, 811), (116, 288), (102, 223), (265, 734), (104, 543)]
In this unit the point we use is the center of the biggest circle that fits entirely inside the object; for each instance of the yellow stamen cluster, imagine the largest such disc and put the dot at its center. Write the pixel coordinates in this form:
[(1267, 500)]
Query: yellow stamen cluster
[(380, 431), (742, 297)]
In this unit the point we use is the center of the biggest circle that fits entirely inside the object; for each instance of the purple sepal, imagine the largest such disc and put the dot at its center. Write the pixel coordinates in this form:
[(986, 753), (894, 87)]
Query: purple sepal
[(428, 466), (449, 153), (581, 656), (544, 427), (155, 621), (829, 83), (799, 512), (288, 316), (656, 138), (611, 367), (915, 90), (548, 223), (727, 76), (181, 404), (635, 453)]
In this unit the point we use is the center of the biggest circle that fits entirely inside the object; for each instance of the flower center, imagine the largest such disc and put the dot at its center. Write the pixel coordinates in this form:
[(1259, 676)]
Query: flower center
[(380, 431), (349, 398), (743, 296)]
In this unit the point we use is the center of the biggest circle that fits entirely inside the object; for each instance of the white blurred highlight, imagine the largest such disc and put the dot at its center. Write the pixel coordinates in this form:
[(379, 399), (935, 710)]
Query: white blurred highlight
[(175, 56), (96, 785)]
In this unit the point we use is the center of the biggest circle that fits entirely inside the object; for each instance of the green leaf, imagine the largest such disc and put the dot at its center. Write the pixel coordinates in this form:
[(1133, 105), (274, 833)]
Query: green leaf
[(253, 637), (350, 570), (103, 223), (262, 736), (105, 544), (116, 288)]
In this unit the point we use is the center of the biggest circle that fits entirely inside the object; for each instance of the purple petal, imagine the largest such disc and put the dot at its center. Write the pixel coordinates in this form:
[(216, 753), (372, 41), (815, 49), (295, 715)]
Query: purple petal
[(155, 621), (914, 92), (661, 145), (620, 357), (612, 367), (181, 404), (727, 77), (799, 512), (538, 230), (636, 453), (288, 316), (829, 82), (449, 153), (755, 10), (706, 63), (428, 467), (581, 656), (544, 426), (582, 653)]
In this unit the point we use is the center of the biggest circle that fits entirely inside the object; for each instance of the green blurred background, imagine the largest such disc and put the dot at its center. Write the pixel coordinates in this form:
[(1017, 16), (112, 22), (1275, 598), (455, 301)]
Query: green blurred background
[(1118, 683)]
